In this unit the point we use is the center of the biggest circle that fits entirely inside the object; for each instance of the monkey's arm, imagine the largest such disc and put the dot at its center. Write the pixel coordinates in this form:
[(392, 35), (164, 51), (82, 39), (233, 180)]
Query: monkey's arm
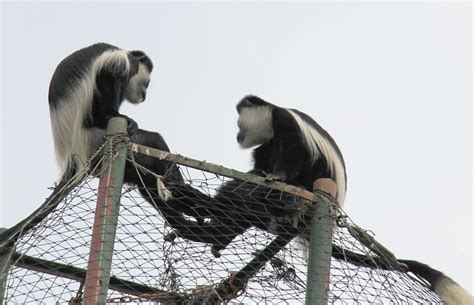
[(107, 100), (289, 153), (288, 162)]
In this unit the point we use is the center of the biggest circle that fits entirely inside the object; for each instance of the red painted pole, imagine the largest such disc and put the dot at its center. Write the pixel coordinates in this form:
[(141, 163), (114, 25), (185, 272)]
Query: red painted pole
[(106, 216)]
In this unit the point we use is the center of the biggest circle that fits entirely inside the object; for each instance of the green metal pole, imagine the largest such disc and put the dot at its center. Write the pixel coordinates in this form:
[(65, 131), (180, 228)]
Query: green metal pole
[(106, 216), (4, 269), (319, 259)]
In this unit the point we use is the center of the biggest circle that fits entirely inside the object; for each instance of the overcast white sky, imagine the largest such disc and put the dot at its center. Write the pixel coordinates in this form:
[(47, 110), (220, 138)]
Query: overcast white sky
[(392, 83)]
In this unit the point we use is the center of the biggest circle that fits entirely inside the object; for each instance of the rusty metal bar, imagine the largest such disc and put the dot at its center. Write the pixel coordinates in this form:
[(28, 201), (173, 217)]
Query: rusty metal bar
[(106, 215), (221, 170), (78, 274)]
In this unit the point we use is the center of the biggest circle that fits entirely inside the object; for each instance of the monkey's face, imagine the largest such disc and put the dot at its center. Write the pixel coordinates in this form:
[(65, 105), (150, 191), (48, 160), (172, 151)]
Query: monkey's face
[(255, 126), (135, 91)]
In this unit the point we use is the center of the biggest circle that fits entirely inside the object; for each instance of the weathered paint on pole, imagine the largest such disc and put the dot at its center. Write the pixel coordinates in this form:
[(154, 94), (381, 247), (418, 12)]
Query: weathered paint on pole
[(221, 170), (106, 216), (4, 269), (319, 259)]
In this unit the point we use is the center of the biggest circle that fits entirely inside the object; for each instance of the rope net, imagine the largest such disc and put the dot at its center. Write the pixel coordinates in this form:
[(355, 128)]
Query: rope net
[(156, 260)]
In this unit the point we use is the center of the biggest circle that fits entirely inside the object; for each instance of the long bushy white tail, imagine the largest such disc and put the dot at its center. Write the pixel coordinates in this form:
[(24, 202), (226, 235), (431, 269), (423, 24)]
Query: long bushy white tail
[(447, 289), (73, 143)]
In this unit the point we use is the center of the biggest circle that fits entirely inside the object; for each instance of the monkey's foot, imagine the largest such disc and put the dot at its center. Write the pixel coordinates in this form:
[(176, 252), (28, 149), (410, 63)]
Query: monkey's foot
[(215, 252), (170, 237), (275, 177), (163, 192)]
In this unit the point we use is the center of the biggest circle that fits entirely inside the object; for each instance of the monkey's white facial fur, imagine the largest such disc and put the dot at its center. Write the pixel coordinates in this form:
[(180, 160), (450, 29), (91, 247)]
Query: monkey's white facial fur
[(135, 92), (255, 126)]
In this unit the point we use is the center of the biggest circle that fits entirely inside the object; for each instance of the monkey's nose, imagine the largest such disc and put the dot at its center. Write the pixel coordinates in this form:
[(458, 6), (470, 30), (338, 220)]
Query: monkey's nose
[(240, 137)]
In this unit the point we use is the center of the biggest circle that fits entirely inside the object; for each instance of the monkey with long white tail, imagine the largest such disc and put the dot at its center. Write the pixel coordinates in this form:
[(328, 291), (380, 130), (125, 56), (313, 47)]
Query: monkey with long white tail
[(86, 90), (294, 149)]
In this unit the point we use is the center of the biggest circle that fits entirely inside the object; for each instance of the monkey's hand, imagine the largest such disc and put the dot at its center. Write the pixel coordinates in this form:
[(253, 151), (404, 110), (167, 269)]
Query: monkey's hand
[(132, 125), (275, 177)]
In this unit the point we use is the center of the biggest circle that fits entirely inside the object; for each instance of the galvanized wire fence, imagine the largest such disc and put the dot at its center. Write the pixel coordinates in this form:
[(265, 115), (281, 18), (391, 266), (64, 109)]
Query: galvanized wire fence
[(154, 263)]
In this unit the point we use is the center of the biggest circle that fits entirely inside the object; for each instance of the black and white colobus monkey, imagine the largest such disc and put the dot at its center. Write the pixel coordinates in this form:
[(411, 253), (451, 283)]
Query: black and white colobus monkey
[(292, 147), (86, 90)]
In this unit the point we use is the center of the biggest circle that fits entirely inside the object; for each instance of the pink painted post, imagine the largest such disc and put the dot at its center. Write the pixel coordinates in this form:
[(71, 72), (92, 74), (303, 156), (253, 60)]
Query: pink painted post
[(106, 216)]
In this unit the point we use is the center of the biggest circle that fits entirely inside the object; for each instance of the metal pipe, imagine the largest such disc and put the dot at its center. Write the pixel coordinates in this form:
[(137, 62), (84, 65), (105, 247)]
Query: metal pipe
[(106, 215), (79, 274), (319, 258)]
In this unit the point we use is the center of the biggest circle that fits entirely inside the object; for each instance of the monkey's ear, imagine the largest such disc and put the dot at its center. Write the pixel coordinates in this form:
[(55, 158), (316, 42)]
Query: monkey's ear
[(137, 53), (143, 58), (248, 98), (255, 100), (133, 65), (244, 103)]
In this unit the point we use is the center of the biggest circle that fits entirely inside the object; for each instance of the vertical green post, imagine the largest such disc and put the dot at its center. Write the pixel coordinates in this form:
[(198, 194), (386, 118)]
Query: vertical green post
[(4, 269), (106, 216), (320, 246)]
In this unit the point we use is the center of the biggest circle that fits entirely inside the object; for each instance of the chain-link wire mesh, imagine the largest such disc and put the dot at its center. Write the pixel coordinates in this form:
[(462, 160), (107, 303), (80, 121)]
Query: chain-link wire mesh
[(158, 260)]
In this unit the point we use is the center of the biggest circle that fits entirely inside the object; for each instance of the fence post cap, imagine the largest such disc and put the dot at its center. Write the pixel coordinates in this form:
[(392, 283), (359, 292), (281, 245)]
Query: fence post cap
[(326, 185), (117, 125)]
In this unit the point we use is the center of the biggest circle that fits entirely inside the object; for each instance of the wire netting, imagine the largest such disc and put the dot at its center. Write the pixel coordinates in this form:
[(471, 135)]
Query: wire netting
[(152, 263)]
